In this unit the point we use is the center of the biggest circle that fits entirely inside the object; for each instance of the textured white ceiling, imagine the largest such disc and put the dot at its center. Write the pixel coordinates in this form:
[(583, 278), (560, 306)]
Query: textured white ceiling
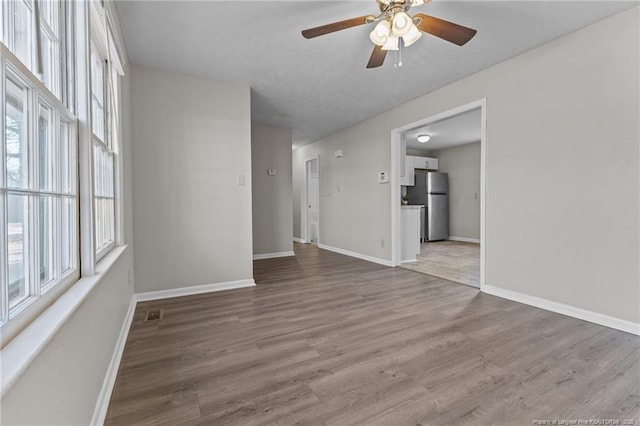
[(319, 86), (453, 131)]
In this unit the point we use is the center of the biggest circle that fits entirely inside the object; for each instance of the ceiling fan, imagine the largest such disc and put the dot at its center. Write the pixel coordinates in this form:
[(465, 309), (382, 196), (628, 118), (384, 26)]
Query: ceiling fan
[(396, 28)]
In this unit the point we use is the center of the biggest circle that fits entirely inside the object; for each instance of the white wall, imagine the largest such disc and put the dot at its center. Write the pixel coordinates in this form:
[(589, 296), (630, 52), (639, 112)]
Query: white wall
[(354, 207), (462, 163), (272, 213), (61, 386), (562, 170), (192, 219)]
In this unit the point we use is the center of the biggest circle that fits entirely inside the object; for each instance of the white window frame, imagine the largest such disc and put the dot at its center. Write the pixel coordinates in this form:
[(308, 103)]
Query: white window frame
[(39, 297), (102, 37)]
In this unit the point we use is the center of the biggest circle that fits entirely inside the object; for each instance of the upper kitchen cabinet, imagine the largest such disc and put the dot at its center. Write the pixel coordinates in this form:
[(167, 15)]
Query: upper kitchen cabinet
[(427, 163)]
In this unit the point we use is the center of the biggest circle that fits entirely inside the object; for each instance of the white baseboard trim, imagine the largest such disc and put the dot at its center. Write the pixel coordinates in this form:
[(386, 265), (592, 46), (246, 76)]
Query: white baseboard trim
[(299, 240), (273, 255), (104, 397), (198, 289), (357, 255), (561, 308), (465, 239)]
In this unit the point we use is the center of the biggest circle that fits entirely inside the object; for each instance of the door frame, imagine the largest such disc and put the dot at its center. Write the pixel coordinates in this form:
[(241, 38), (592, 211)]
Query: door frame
[(396, 146), (305, 200)]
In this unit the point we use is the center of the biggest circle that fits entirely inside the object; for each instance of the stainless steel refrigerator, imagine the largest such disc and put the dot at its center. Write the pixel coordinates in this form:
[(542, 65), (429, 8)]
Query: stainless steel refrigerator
[(432, 190)]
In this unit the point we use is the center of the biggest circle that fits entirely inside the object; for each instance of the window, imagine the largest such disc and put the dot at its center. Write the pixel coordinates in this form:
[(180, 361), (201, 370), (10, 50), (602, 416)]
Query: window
[(18, 30), (44, 49), (41, 220), (104, 119), (39, 192), (38, 176)]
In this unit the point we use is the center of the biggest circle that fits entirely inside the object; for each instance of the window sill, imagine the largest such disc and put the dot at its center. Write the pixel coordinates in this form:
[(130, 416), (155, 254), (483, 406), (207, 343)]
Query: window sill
[(26, 346)]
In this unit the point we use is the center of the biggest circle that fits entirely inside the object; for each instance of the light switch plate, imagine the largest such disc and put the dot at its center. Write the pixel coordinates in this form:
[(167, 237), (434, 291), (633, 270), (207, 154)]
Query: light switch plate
[(383, 177), (240, 180), (338, 153)]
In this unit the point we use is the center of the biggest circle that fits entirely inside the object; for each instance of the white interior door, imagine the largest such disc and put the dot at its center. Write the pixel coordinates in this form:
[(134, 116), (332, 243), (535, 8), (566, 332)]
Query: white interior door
[(312, 200)]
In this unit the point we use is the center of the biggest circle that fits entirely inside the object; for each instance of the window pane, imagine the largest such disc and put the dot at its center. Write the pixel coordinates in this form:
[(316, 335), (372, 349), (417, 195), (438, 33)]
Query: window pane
[(45, 149), (47, 62), (46, 239), (20, 28), (66, 159), (49, 13), (67, 234), (16, 135), (98, 224), (18, 247), (97, 94)]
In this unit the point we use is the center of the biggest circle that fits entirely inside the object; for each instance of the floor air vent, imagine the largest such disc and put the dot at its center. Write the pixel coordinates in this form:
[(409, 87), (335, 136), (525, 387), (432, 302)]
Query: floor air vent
[(154, 315)]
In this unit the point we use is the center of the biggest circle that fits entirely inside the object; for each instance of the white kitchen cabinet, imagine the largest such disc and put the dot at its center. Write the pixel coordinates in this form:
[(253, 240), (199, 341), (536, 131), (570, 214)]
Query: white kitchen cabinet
[(410, 219), (426, 163), (409, 172)]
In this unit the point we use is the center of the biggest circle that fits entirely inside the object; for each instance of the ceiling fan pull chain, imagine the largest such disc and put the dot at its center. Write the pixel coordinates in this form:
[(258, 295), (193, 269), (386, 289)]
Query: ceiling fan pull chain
[(397, 62)]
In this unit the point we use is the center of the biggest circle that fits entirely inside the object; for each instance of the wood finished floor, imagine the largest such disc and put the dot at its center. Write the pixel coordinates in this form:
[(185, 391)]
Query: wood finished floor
[(328, 339), (452, 260)]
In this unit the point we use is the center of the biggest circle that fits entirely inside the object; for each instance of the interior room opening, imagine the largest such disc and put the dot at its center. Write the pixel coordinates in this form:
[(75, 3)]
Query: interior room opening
[(441, 183), (312, 201)]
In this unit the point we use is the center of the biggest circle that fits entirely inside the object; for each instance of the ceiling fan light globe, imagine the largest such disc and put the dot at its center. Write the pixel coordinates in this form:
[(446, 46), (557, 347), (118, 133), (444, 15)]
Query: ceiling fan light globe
[(412, 36), (375, 39), (391, 43), (380, 33), (401, 24)]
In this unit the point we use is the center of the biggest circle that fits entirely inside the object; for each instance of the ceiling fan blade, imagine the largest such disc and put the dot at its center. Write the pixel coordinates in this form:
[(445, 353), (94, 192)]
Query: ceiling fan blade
[(377, 57), (337, 26), (446, 30)]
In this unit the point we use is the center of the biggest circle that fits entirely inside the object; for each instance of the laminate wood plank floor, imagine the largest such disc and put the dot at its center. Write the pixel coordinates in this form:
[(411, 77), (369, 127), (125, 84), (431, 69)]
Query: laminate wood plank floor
[(328, 339), (452, 260)]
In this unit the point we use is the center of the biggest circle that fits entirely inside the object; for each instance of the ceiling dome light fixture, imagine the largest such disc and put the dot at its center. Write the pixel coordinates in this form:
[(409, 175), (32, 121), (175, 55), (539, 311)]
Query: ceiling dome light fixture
[(424, 138)]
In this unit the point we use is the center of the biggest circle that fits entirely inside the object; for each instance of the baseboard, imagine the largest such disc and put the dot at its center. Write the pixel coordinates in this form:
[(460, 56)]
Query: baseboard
[(299, 240), (465, 239), (561, 308), (357, 255), (198, 289), (273, 255), (104, 397)]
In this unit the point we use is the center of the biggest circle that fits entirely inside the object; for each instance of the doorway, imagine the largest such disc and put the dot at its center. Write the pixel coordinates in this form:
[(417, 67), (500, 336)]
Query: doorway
[(312, 201), (452, 147)]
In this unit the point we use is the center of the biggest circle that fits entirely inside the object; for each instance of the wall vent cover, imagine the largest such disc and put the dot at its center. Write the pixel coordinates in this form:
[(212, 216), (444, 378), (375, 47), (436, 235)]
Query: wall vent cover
[(154, 315)]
